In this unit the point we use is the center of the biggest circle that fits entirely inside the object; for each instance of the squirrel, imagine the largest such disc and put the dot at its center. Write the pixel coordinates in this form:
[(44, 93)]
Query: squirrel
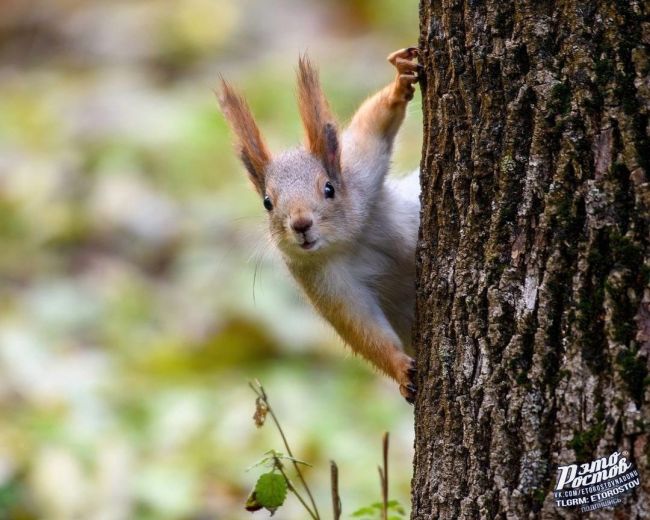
[(346, 233)]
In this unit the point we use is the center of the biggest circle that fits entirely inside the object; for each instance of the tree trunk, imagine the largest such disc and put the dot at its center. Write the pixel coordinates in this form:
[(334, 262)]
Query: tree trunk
[(533, 309)]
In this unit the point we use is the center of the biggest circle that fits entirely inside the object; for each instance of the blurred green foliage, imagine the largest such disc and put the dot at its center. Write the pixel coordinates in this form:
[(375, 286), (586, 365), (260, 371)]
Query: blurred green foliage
[(138, 294)]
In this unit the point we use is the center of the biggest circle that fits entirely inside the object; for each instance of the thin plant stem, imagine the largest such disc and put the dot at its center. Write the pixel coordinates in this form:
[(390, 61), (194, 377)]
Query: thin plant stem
[(261, 393), (278, 465), (336, 498), (383, 475), (384, 509)]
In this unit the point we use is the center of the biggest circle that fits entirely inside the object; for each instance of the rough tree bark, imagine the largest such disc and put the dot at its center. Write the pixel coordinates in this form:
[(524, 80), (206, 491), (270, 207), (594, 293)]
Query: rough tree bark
[(533, 311)]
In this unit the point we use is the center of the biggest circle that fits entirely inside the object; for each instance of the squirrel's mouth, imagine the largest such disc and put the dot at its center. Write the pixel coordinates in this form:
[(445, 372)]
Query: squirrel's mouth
[(307, 245)]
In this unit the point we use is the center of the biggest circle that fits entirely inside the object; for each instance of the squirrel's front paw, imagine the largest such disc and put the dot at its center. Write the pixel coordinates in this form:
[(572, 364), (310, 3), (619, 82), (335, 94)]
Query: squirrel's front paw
[(408, 387), (408, 71)]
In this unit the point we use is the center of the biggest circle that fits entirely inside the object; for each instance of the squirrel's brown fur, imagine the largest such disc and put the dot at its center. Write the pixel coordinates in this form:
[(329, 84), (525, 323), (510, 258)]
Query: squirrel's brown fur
[(250, 145), (317, 118)]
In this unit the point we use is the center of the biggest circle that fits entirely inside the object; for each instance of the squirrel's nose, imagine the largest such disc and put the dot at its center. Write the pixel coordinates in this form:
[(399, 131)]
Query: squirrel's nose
[(301, 224)]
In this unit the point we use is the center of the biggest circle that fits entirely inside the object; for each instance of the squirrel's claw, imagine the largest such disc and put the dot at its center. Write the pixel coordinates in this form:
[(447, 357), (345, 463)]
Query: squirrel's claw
[(408, 392), (409, 53), (410, 389), (406, 66), (405, 86), (408, 71)]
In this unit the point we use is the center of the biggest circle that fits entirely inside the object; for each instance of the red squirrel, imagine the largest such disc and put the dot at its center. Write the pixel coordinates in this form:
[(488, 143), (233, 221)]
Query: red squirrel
[(346, 232)]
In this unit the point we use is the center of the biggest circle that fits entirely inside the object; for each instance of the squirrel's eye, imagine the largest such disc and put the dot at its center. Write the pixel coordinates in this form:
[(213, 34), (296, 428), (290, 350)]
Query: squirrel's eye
[(329, 190), (267, 203)]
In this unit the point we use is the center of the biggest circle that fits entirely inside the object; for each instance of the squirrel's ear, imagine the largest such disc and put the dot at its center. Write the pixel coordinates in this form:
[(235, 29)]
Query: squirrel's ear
[(319, 123), (250, 146)]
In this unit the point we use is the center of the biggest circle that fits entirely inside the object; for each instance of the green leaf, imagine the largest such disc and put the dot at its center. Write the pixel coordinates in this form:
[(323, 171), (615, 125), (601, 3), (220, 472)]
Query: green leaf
[(396, 507), (271, 490), (271, 456), (274, 453), (282, 456), (292, 459), (268, 459), (365, 511), (373, 511)]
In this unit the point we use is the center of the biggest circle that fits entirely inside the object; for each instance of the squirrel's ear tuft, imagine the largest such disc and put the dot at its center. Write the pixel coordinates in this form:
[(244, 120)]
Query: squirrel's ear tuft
[(317, 118), (249, 143)]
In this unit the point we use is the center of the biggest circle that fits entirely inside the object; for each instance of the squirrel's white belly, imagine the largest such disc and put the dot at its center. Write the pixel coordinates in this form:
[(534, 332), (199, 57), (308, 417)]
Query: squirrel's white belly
[(389, 274)]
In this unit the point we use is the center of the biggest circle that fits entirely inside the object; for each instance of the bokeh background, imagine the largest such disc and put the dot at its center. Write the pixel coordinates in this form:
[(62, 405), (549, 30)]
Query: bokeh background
[(138, 294)]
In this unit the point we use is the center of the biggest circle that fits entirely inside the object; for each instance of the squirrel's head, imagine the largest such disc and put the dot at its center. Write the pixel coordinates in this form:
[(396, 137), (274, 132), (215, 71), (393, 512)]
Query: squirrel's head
[(302, 190)]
